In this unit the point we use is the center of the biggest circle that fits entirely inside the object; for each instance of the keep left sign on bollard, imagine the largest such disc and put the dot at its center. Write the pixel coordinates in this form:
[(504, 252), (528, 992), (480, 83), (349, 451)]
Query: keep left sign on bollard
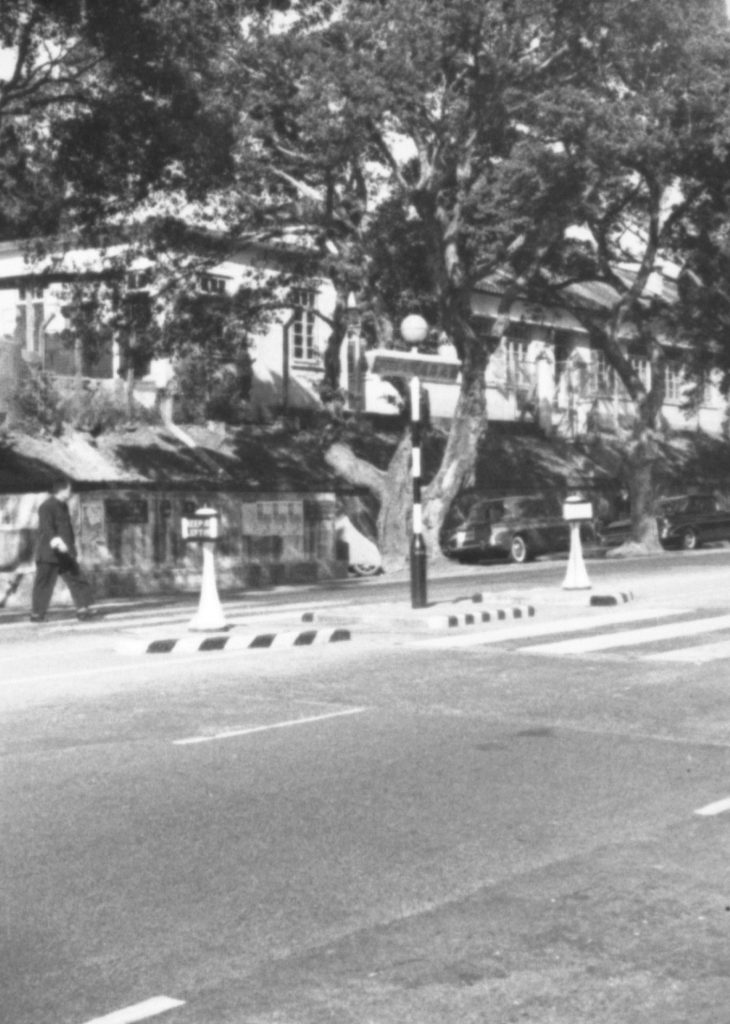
[(204, 528), (576, 510)]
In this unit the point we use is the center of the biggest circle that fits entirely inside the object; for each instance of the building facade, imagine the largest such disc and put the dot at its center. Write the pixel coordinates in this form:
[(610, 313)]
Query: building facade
[(544, 370)]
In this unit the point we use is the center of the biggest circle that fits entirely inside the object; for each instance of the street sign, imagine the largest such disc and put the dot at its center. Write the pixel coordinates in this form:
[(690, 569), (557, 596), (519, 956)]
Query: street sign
[(201, 526), (575, 510)]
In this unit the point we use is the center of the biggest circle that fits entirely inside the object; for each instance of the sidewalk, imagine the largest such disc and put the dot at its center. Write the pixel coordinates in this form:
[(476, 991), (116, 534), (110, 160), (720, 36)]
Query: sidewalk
[(62, 608)]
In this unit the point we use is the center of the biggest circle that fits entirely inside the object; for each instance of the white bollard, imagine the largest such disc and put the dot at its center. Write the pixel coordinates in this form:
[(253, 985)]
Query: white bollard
[(576, 510), (209, 616), (203, 528), (576, 577)]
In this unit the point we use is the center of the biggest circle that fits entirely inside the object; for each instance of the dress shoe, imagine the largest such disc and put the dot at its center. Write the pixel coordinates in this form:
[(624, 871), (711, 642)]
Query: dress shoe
[(37, 618), (86, 613)]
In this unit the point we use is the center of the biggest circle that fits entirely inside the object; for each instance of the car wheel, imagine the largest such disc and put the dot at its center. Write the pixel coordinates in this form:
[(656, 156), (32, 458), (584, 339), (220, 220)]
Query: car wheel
[(689, 540), (365, 569), (519, 552)]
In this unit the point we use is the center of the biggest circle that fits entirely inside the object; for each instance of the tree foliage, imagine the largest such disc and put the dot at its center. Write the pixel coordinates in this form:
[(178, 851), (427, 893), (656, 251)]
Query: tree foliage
[(363, 116), (621, 183), (100, 101), (554, 144), (418, 147)]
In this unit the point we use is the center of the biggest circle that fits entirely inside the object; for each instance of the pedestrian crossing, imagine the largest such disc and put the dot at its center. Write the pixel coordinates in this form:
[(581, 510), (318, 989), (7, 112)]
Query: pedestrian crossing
[(654, 635), (634, 637)]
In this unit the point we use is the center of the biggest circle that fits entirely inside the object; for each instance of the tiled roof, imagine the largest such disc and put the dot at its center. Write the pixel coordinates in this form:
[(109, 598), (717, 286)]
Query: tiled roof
[(148, 455)]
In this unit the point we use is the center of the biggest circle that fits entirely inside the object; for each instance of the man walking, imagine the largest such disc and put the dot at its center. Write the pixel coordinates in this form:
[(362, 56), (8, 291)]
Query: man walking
[(56, 556)]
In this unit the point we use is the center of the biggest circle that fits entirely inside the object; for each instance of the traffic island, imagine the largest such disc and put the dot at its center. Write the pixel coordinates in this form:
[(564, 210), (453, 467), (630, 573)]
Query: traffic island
[(388, 618), (559, 598)]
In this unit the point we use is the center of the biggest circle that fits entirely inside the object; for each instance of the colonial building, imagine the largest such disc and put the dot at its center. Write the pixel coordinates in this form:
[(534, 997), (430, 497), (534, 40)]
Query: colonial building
[(544, 370)]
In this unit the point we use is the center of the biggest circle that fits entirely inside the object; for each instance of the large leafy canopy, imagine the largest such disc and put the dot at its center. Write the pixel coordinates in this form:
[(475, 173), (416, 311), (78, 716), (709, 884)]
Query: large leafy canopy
[(100, 101), (497, 129)]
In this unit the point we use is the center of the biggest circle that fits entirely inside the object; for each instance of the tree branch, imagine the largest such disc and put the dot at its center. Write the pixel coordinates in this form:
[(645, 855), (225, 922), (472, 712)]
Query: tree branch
[(341, 458), (388, 155), (300, 186)]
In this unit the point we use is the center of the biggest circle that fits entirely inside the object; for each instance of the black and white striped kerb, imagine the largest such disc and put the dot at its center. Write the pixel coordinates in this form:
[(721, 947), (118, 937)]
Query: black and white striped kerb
[(243, 642), (493, 615), (611, 598)]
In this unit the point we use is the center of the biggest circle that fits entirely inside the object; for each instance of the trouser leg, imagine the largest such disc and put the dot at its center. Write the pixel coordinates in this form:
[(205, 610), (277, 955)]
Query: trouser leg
[(46, 574), (77, 584)]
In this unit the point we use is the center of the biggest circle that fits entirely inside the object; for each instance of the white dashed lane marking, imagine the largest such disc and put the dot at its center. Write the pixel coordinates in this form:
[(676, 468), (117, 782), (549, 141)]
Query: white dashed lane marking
[(265, 728), (140, 1011), (719, 807)]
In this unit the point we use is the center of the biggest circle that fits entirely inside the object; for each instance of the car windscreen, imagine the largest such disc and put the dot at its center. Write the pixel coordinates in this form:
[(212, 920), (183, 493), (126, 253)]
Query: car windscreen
[(529, 508), (673, 506), (485, 512)]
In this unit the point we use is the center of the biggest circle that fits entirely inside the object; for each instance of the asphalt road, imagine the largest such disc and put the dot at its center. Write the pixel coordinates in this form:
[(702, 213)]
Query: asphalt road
[(384, 831)]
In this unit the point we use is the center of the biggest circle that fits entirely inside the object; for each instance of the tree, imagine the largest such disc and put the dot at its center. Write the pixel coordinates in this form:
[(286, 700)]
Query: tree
[(414, 104), (99, 102), (623, 175)]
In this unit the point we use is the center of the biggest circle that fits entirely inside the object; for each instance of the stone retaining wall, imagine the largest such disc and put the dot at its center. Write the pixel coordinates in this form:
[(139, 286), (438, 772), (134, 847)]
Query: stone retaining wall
[(130, 541)]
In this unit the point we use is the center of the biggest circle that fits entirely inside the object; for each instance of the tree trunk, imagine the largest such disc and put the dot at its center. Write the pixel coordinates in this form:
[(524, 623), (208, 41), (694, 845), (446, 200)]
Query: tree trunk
[(391, 488), (643, 452), (394, 519), (644, 455), (358, 472), (642, 459), (458, 465)]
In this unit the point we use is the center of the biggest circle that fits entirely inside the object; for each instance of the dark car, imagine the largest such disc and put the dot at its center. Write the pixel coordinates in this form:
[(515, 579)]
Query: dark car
[(684, 521), (518, 528)]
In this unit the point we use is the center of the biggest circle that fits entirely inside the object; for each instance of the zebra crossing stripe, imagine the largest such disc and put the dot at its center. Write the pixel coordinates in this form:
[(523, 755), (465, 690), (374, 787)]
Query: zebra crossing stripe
[(693, 655), (631, 637), (247, 641)]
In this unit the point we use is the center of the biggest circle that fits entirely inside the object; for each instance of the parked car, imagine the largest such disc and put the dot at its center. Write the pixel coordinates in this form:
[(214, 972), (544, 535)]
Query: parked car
[(684, 521), (362, 555), (515, 527)]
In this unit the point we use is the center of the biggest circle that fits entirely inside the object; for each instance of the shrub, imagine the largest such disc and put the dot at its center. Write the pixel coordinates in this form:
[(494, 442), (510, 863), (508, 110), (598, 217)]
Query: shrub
[(99, 410), (38, 403)]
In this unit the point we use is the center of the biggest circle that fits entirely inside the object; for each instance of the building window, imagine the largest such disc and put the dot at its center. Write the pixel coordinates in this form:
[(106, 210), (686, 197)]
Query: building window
[(711, 388), (517, 371), (139, 280), (30, 319), (604, 376), (303, 348), (643, 372), (213, 285), (674, 384)]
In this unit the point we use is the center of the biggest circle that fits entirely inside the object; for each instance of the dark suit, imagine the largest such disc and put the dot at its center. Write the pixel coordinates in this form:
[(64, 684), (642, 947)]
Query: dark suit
[(54, 521)]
